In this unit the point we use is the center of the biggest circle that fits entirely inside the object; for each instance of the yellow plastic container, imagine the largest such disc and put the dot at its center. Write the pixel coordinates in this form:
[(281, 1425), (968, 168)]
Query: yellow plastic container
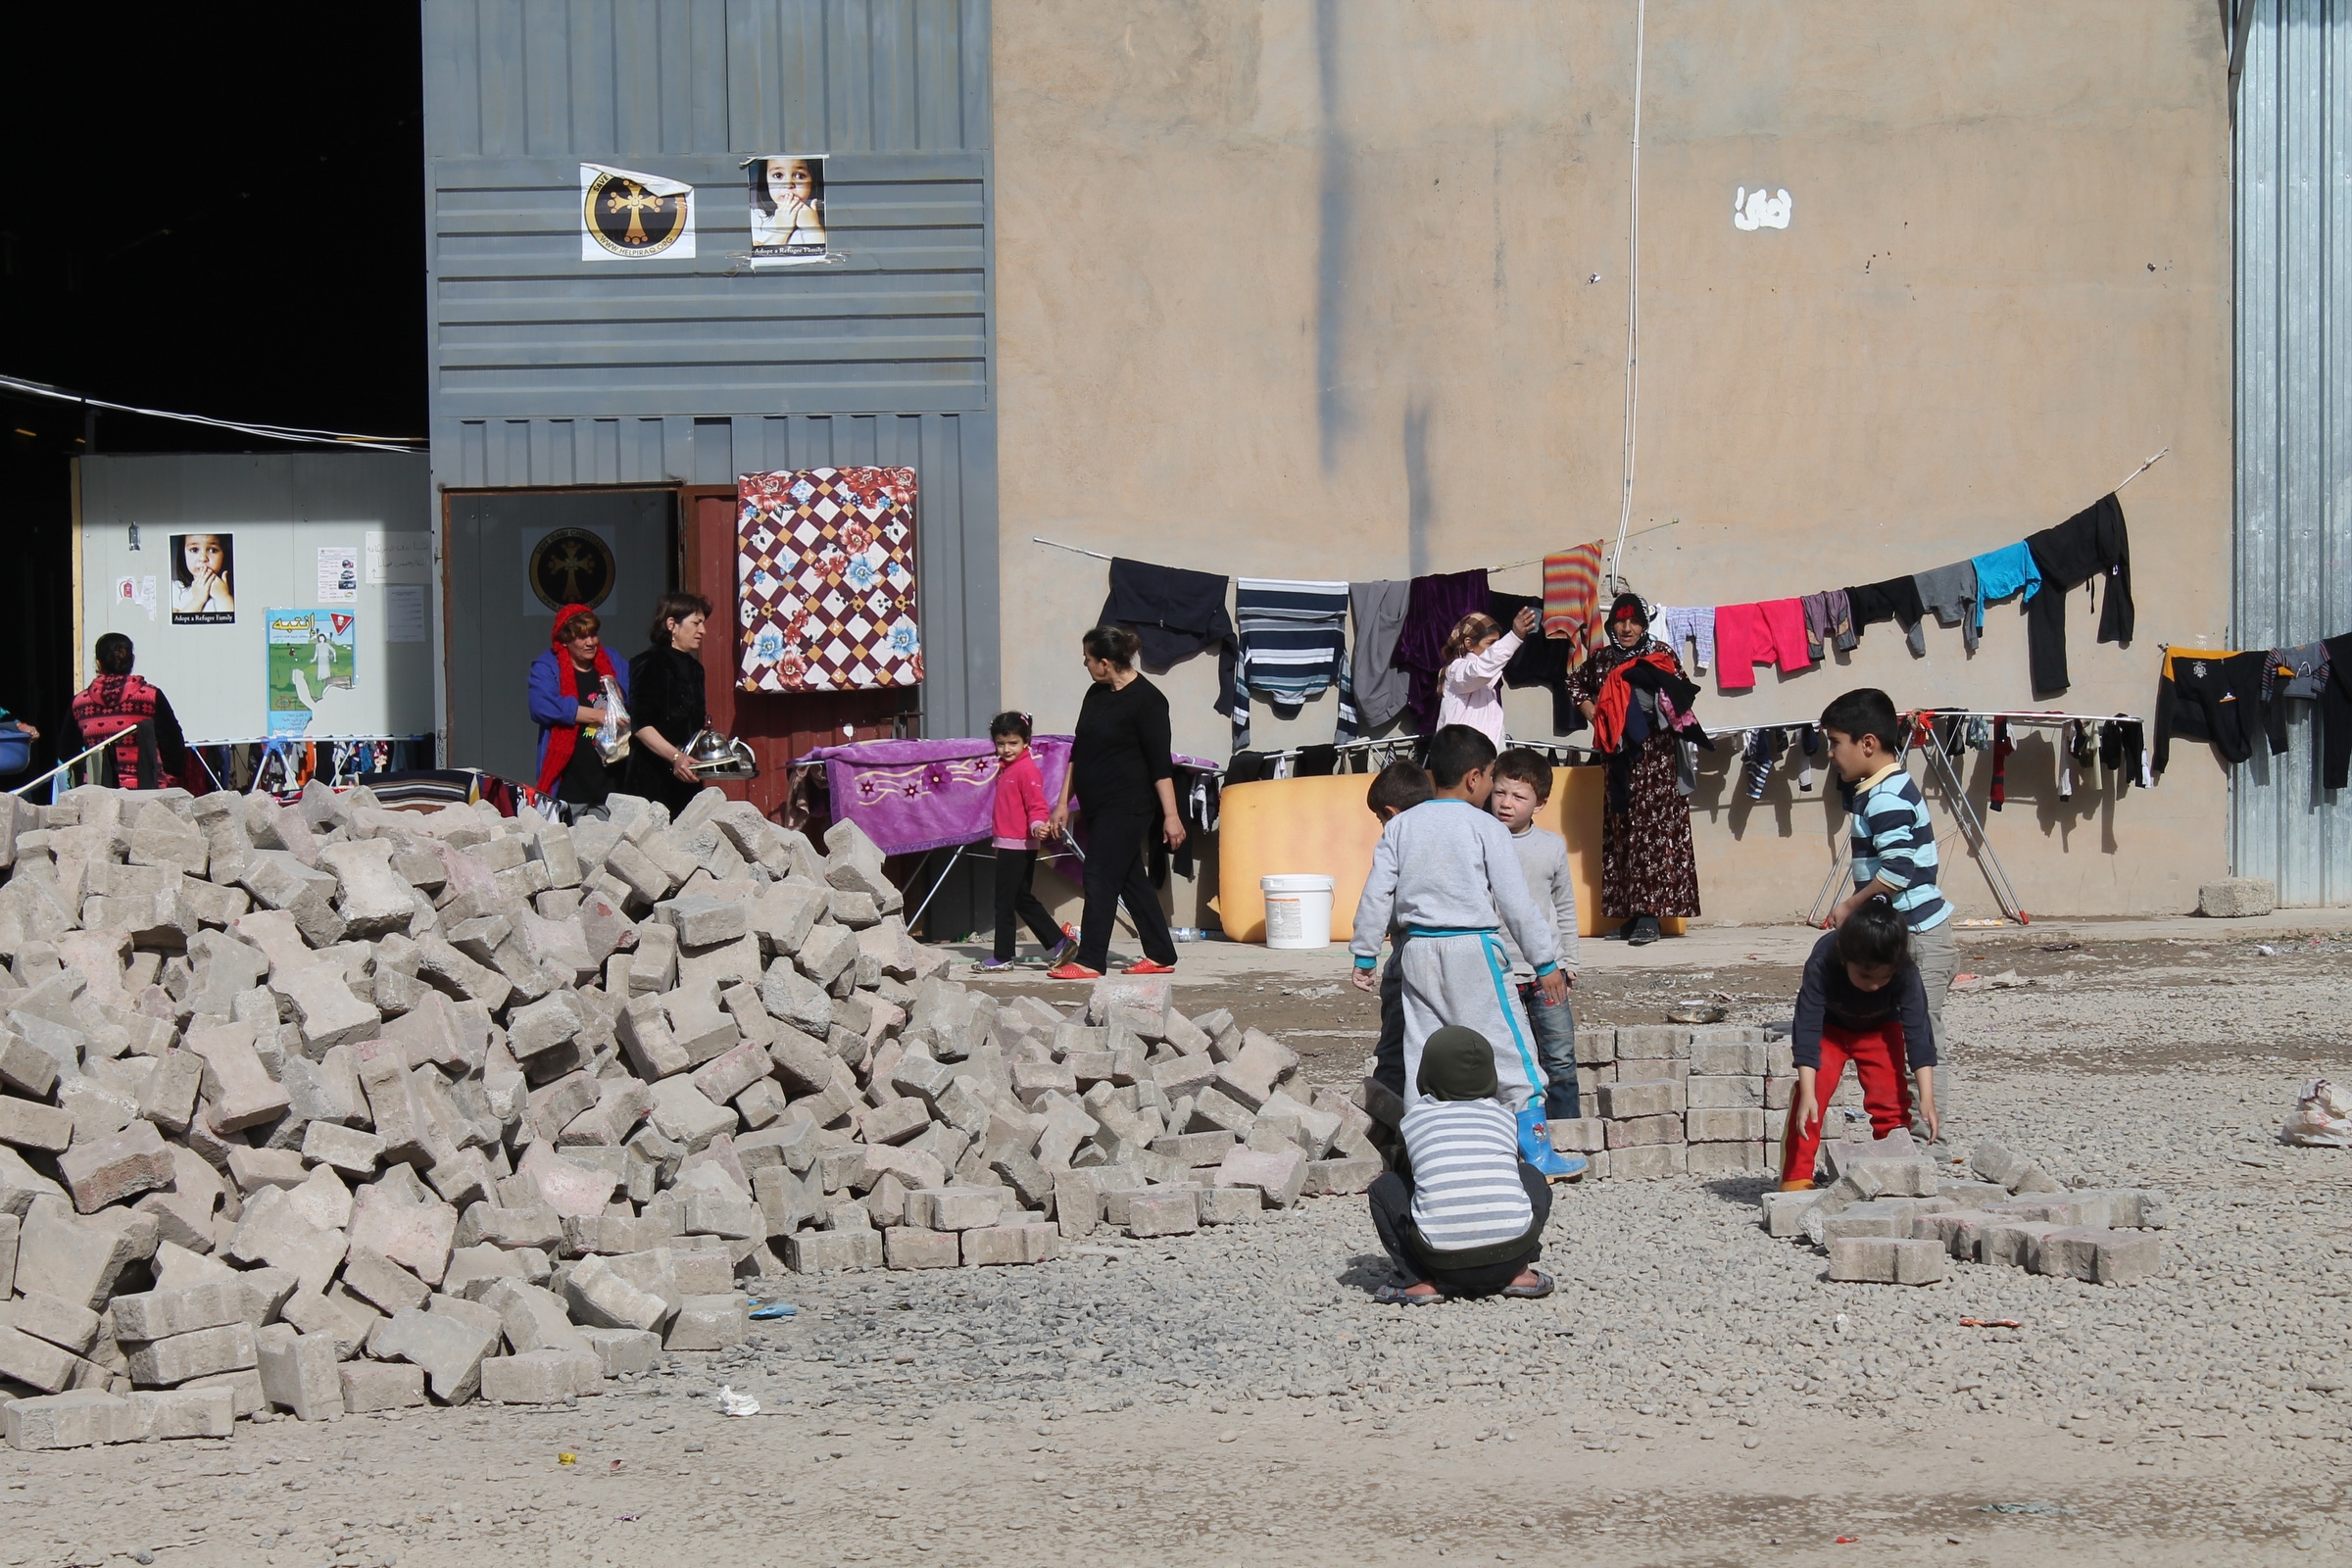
[(1289, 826)]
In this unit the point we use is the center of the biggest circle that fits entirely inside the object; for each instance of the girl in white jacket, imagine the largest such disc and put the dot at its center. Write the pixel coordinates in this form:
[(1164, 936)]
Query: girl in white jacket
[(1470, 692)]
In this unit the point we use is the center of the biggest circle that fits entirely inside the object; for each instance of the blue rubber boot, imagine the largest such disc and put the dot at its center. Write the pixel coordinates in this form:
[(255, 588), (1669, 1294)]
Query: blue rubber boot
[(1534, 1146)]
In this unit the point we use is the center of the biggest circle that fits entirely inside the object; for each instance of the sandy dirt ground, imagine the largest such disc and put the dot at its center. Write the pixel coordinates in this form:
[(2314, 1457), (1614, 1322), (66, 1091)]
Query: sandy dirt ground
[(1695, 1393)]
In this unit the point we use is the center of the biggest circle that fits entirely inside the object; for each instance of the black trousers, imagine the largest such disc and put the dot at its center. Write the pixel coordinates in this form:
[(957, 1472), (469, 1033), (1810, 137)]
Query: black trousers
[(1392, 1217), (1114, 875), (1014, 868)]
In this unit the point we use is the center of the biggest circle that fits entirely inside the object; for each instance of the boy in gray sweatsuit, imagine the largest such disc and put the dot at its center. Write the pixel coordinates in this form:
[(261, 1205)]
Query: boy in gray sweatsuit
[(1443, 871)]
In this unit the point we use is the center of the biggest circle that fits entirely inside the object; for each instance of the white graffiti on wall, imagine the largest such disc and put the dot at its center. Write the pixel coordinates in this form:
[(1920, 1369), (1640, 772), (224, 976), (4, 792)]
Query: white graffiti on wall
[(1756, 209)]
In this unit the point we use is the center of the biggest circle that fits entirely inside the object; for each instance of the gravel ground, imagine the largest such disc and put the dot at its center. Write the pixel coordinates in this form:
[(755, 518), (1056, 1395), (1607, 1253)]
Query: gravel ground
[(1696, 1393)]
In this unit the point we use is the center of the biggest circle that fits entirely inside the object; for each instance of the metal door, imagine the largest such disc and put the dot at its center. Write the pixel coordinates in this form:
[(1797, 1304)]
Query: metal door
[(512, 559)]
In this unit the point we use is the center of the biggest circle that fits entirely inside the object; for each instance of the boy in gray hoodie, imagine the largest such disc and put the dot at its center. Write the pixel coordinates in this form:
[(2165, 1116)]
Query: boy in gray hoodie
[(1522, 787)]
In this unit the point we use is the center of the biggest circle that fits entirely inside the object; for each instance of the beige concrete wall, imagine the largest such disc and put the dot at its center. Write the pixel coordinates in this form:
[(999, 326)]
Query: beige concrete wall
[(1301, 289)]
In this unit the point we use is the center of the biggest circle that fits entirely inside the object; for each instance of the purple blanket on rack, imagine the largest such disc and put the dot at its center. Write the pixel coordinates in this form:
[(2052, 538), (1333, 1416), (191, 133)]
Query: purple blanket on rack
[(912, 796)]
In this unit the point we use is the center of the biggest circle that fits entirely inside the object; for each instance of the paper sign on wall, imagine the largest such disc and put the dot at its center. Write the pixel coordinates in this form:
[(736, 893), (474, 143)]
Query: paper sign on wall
[(313, 655), (628, 215), (404, 615), (136, 592), (786, 209), (204, 567), (399, 558), (338, 575)]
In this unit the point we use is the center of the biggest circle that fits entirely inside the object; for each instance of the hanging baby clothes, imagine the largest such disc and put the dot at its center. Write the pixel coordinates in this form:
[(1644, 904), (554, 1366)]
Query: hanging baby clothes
[(1830, 623), (2001, 572), (1292, 644), (1435, 606), (1695, 624), (2001, 748), (1748, 635), (1808, 747), (1897, 598), (1764, 749), (1951, 592), (1571, 590), (1380, 687)]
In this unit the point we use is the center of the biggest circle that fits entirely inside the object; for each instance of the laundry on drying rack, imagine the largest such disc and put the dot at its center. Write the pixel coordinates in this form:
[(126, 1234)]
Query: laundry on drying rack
[(1764, 749), (1808, 747), (2003, 745)]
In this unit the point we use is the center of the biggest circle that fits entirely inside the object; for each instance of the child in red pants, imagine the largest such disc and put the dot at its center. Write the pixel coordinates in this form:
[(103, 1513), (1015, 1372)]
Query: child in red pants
[(1861, 1000)]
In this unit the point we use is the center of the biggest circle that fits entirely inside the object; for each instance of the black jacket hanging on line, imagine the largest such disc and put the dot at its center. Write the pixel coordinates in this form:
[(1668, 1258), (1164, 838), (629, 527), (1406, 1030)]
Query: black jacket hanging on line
[(2336, 714), (1175, 613), (2091, 543)]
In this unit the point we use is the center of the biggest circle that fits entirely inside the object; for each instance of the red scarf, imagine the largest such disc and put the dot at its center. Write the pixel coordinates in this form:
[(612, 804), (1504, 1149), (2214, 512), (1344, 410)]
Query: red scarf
[(564, 739)]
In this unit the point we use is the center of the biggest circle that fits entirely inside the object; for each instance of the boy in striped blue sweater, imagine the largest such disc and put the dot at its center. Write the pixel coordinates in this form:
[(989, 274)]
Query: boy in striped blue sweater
[(1894, 841)]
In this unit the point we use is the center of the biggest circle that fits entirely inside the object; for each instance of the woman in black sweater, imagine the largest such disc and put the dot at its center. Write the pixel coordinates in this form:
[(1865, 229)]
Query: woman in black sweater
[(1122, 774), (666, 700)]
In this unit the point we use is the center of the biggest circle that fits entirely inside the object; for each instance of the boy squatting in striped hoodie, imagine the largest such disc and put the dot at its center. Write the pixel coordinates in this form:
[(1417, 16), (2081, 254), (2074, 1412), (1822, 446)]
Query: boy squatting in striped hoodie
[(1467, 1217), (1443, 870)]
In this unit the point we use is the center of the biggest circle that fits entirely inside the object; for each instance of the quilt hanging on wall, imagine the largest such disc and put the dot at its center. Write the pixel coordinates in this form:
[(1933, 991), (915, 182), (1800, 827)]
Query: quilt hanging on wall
[(824, 579)]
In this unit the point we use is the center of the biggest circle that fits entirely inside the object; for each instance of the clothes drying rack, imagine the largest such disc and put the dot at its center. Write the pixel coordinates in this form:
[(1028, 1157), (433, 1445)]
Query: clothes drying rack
[(1956, 794)]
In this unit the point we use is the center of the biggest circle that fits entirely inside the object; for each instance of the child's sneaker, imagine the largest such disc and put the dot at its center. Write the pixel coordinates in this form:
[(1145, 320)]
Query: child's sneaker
[(992, 965), (1063, 951)]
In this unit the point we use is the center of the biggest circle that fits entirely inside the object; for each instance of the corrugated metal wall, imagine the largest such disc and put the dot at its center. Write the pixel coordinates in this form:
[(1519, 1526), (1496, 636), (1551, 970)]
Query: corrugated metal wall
[(2294, 415), (551, 371)]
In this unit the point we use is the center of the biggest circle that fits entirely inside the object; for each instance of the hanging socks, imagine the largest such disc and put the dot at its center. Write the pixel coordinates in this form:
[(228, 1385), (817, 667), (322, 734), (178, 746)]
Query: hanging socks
[(2001, 748)]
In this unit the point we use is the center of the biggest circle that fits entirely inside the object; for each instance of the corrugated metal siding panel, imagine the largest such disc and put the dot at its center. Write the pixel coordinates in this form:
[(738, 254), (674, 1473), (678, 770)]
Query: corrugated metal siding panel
[(2294, 414)]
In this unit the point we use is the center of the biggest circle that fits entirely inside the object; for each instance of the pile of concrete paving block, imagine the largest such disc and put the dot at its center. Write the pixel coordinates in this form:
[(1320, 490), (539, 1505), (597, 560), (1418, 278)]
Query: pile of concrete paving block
[(1891, 1216), (325, 1108), (1662, 1100)]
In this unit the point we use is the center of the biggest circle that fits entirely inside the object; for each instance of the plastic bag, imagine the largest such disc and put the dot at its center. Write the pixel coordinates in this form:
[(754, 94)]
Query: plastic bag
[(612, 735), (2323, 1119)]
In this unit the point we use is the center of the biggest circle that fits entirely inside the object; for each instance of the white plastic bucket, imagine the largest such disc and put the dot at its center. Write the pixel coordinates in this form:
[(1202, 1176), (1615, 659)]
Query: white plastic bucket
[(1297, 910)]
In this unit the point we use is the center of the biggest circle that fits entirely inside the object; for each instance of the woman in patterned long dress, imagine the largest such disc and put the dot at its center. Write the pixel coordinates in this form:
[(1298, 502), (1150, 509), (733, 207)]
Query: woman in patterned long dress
[(1647, 866)]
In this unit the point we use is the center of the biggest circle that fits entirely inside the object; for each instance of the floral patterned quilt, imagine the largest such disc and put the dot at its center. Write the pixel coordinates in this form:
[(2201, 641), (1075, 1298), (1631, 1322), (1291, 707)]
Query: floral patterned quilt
[(825, 573)]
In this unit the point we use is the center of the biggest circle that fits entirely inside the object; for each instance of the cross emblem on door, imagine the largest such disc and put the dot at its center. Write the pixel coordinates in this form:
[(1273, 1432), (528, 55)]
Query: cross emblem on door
[(636, 204)]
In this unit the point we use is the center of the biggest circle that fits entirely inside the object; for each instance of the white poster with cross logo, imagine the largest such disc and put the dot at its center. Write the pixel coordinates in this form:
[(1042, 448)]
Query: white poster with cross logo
[(626, 215)]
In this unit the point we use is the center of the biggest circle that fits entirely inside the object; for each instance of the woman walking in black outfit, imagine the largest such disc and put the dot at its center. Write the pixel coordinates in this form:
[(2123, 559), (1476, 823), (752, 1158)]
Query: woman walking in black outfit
[(666, 690), (1122, 774)]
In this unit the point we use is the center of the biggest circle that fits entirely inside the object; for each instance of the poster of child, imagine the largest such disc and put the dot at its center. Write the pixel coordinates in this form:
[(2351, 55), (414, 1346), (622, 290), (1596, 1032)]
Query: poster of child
[(202, 577), (788, 209)]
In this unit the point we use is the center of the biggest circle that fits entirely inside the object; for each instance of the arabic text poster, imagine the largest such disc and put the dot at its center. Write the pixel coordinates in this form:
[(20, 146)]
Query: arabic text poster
[(312, 653)]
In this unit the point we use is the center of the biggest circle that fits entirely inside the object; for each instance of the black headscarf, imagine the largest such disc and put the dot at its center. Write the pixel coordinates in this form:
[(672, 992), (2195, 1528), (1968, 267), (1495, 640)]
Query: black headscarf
[(1607, 653), (1457, 1063)]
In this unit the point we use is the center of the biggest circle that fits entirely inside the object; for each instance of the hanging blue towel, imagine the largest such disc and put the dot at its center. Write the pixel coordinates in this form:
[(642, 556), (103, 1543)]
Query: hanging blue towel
[(1294, 643)]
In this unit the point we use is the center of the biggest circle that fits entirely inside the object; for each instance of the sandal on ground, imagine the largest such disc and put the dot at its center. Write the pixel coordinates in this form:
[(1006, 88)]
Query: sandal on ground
[(1398, 1296), (1531, 1293), (1073, 971), (1148, 966)]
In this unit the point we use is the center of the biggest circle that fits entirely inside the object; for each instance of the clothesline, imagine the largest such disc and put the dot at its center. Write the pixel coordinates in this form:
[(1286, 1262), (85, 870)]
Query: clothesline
[(1531, 560)]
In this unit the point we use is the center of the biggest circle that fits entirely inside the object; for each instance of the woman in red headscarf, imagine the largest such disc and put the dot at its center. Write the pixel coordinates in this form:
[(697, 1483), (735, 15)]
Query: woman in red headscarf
[(566, 694)]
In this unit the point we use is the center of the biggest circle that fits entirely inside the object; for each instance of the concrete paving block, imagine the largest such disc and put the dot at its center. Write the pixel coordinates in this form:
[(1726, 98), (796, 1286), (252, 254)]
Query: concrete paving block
[(1970, 1195), (1996, 1162), (2238, 898), (1639, 1131), (1646, 1070), (1078, 1206), (1724, 1126), (300, 1373), (11, 1231), (954, 1208), (1336, 1178), (710, 1323), (2129, 1208), (381, 1283), (1952, 1229), (44, 1129), (620, 1352), (531, 1377), (2098, 1256), (821, 1252), (1623, 1100), (1580, 1136), (1166, 1212), (1887, 1261), (227, 1348), (1727, 1059), (72, 1259), (347, 1150), (116, 1167), (1723, 1094), (68, 1325), (1653, 1041), (449, 1348), (906, 1247), (601, 1298), (2015, 1243), (1229, 1205), (1645, 1162), (1741, 1158), (417, 1236), (1010, 1243), (372, 1385), (1784, 1214), (1883, 1217), (158, 1415), (1279, 1175), (35, 1362), (76, 1420), (239, 1089)]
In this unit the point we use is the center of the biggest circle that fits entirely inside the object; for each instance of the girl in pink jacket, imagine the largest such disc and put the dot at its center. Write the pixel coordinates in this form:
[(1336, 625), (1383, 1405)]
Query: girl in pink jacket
[(1019, 829)]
